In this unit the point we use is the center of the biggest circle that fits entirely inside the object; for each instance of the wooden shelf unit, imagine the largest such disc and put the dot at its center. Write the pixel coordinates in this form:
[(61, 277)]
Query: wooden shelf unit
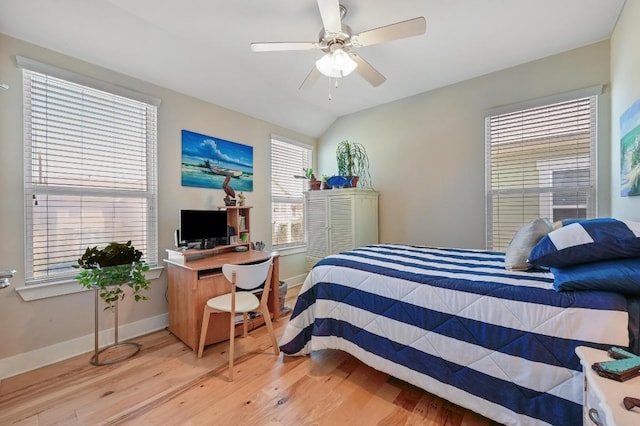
[(239, 217)]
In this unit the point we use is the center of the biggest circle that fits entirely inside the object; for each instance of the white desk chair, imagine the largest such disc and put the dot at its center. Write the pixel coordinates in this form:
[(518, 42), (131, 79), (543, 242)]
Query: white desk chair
[(245, 277)]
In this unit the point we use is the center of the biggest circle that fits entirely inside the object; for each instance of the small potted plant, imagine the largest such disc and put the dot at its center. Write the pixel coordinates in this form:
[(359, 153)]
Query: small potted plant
[(353, 163), (112, 267), (325, 184), (314, 184)]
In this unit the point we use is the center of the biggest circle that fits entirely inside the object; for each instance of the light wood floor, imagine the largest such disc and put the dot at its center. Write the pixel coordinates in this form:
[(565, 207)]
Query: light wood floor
[(165, 384)]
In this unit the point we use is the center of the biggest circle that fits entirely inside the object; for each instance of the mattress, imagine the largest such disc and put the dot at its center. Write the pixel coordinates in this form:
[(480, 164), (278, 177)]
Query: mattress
[(457, 324)]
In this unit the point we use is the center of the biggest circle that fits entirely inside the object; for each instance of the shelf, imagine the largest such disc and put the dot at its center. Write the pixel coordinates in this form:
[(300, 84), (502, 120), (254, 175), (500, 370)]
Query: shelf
[(187, 255), (252, 316)]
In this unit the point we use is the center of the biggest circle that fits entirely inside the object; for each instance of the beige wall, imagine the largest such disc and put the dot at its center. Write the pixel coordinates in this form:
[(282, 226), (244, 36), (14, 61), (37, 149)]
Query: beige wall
[(26, 327), (427, 151), (625, 90)]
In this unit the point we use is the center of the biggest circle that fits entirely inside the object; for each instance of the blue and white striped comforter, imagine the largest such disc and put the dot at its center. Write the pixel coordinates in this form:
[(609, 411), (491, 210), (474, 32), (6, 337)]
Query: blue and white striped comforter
[(457, 324)]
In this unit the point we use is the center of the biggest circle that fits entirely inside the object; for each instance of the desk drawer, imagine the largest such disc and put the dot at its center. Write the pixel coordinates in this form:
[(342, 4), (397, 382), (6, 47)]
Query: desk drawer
[(209, 273)]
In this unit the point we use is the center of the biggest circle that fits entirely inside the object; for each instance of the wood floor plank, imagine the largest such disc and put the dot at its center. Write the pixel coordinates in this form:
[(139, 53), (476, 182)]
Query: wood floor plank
[(356, 392), (167, 384)]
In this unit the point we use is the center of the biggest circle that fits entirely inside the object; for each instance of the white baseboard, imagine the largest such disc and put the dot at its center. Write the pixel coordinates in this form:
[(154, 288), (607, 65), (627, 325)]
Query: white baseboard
[(296, 280), (28, 361)]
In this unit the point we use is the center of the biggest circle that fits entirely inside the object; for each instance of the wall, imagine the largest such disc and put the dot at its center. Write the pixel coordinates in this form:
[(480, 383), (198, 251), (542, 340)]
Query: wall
[(427, 151), (38, 332), (625, 90)]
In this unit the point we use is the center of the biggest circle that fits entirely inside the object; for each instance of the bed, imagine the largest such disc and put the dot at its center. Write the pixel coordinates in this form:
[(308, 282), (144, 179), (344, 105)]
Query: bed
[(456, 323)]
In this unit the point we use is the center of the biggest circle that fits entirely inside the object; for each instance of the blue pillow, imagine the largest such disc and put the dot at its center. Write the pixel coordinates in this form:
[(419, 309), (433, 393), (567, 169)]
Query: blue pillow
[(619, 275), (589, 240)]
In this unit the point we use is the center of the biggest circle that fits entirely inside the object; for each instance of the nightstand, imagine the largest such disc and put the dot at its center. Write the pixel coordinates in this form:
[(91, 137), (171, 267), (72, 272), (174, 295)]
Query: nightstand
[(602, 402)]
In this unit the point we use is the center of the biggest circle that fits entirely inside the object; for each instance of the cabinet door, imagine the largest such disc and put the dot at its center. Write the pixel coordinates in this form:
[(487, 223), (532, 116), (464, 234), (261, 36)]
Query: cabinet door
[(340, 224), (317, 228), (365, 221)]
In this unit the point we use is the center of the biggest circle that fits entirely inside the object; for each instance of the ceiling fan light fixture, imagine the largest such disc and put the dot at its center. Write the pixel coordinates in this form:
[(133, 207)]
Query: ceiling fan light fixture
[(336, 64), (337, 40), (343, 62)]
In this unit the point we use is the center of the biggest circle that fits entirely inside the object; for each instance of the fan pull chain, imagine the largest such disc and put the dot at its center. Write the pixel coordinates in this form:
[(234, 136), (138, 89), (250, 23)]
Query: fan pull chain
[(335, 84)]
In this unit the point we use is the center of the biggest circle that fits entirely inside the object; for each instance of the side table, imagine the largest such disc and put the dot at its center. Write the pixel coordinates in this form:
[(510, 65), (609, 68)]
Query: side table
[(602, 402)]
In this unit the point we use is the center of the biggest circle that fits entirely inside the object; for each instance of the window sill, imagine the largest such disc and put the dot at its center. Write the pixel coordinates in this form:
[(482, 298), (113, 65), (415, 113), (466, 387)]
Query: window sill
[(60, 288), (287, 251)]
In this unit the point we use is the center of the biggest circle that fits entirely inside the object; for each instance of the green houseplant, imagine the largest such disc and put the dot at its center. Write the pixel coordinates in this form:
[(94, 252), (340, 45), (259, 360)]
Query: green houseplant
[(110, 268), (325, 185), (353, 162), (314, 183)]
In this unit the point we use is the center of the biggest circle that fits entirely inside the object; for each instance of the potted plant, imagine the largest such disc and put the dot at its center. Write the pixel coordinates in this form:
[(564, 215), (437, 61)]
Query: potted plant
[(353, 163), (110, 268), (325, 184), (314, 184)]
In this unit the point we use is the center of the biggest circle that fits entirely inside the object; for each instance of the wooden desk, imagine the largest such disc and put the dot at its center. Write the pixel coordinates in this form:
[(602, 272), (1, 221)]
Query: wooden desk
[(192, 282)]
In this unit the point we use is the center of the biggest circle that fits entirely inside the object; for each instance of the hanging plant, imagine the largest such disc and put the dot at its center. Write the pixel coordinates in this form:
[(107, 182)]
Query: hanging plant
[(112, 267)]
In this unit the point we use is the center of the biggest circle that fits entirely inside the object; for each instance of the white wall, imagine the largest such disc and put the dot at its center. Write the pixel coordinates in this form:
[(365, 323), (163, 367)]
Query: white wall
[(36, 332), (625, 90), (427, 151)]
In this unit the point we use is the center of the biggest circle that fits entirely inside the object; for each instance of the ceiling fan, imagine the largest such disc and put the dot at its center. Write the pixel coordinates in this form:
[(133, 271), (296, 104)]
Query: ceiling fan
[(337, 41)]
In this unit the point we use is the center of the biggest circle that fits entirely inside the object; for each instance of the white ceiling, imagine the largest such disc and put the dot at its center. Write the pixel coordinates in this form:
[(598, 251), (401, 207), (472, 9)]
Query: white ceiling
[(201, 47)]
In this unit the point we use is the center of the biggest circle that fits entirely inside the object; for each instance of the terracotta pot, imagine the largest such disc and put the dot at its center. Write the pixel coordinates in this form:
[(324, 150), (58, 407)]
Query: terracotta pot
[(314, 185), (354, 181)]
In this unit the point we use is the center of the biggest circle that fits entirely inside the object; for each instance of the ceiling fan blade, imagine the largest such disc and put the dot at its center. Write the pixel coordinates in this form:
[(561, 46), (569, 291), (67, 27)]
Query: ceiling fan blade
[(368, 72), (330, 13), (281, 46), (404, 29), (311, 78)]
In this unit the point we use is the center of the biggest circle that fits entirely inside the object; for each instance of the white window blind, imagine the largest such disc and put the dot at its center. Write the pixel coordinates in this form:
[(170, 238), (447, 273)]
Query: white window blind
[(540, 163), (287, 199), (90, 174)]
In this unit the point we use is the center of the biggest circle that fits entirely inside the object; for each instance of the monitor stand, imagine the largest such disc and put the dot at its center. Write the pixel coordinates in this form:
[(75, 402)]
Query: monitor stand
[(207, 243)]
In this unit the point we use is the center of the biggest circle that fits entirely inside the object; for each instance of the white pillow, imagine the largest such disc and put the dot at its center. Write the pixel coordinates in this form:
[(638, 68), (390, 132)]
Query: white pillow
[(523, 242)]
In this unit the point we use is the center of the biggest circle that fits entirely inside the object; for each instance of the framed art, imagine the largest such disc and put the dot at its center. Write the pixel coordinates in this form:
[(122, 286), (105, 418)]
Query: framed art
[(210, 162), (630, 151)]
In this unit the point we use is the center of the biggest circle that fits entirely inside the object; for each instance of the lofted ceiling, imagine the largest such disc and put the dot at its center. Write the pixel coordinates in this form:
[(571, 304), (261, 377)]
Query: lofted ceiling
[(201, 47)]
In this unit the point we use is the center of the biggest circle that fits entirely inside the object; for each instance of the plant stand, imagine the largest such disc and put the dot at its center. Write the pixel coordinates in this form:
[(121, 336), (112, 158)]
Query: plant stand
[(131, 348)]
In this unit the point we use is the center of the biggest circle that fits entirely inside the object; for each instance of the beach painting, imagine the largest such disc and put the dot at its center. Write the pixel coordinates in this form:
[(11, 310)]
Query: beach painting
[(630, 151), (208, 161)]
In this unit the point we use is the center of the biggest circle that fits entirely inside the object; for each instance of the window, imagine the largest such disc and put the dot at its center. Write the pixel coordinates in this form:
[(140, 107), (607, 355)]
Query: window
[(90, 171), (540, 163), (288, 159), (565, 202)]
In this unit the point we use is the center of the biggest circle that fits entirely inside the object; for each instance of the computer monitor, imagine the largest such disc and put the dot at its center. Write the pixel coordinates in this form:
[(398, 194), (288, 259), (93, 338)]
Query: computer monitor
[(207, 227)]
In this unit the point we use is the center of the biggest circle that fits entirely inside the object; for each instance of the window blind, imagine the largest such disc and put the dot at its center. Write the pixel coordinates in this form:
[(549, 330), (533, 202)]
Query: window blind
[(287, 220), (540, 163), (90, 174)]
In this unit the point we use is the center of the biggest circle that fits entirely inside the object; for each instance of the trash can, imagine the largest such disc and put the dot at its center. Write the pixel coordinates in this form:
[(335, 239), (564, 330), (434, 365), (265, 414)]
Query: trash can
[(282, 293)]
